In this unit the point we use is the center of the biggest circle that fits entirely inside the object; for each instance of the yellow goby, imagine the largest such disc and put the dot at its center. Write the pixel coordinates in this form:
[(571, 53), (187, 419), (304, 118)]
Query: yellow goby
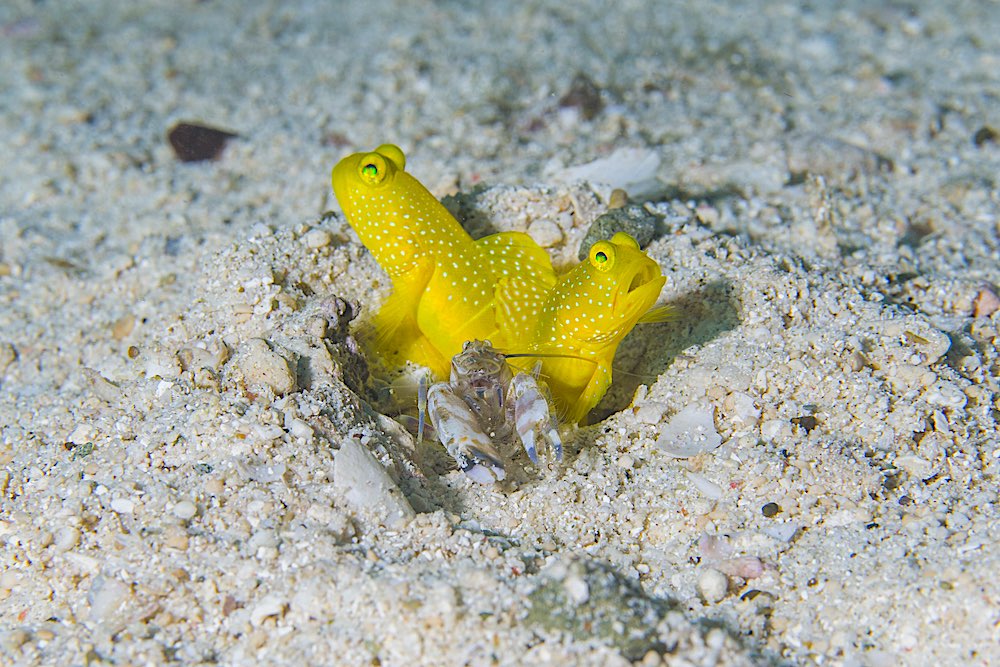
[(583, 318), (445, 284)]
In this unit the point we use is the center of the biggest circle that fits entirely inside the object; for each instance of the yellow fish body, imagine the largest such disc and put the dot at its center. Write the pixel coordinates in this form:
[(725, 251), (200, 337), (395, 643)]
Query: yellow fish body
[(444, 283), (583, 318)]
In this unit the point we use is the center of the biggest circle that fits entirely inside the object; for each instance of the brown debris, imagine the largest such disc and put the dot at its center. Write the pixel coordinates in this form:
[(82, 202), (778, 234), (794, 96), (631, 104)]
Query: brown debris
[(584, 95), (984, 135), (194, 143)]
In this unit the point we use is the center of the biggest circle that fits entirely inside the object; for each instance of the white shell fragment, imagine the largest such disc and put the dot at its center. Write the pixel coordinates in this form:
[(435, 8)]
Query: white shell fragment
[(705, 486), (269, 605), (630, 169), (783, 532), (366, 486), (690, 432)]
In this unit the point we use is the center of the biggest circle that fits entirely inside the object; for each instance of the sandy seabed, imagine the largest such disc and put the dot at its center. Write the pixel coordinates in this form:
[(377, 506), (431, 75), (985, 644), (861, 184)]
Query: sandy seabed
[(195, 462)]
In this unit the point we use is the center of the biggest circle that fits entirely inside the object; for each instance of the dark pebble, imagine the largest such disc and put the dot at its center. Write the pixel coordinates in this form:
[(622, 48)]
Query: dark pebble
[(892, 481), (806, 423), (770, 509), (194, 143)]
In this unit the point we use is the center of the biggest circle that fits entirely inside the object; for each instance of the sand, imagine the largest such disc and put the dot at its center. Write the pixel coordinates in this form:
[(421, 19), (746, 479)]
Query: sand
[(198, 465)]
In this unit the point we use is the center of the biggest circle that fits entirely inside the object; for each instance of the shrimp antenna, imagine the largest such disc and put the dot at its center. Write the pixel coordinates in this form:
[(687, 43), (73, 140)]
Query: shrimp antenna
[(545, 355)]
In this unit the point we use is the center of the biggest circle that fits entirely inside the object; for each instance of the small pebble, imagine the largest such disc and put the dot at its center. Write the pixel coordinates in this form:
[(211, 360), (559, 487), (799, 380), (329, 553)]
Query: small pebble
[(242, 312), (299, 428), (307, 601), (9, 579), (914, 465), (577, 589), (745, 567), (631, 169), (194, 358), (770, 509), (712, 586), (773, 428), (649, 412), (123, 326), (215, 487), (783, 532), (67, 537), (82, 434), (985, 304), (714, 547), (707, 215), (651, 659), (317, 327), (122, 505), (264, 366), (946, 395), (185, 510), (175, 537), (85, 564), (317, 238)]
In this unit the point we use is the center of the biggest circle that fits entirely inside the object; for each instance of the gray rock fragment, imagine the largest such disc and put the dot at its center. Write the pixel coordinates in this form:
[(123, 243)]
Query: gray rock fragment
[(632, 219)]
